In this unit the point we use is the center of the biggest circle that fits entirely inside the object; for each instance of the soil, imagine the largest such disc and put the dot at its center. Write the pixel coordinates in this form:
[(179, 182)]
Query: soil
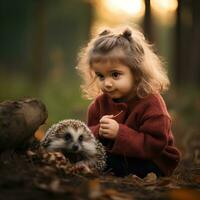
[(28, 177)]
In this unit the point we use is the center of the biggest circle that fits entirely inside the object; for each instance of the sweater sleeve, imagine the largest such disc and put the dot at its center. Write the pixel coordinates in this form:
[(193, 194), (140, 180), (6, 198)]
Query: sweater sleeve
[(146, 143), (93, 118)]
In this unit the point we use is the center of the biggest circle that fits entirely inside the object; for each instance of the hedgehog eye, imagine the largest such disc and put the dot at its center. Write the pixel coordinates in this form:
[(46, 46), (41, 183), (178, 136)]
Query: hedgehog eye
[(80, 138), (68, 136)]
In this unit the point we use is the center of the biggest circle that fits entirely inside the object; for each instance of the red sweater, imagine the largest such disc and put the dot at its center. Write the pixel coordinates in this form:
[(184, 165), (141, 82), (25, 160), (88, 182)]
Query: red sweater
[(144, 130)]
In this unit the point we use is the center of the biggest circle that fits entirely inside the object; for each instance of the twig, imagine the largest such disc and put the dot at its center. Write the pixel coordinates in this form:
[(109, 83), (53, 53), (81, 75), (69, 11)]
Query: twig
[(117, 114)]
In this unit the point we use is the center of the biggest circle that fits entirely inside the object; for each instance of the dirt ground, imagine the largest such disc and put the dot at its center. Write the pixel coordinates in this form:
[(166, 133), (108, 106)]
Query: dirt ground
[(26, 176)]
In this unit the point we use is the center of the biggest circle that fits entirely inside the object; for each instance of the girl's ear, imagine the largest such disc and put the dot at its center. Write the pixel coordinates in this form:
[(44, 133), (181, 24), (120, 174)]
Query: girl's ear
[(127, 34), (104, 32)]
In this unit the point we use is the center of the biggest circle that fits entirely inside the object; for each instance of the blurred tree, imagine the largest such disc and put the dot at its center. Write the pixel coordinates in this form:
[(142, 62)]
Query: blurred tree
[(32, 30), (38, 50), (177, 63), (147, 22), (194, 60), (15, 23), (187, 59)]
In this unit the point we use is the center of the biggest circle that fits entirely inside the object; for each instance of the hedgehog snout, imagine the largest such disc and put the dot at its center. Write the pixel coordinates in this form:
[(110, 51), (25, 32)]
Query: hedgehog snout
[(75, 147)]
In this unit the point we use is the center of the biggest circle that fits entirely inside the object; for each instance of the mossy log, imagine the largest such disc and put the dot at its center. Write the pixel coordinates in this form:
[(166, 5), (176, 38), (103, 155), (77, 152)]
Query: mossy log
[(18, 122)]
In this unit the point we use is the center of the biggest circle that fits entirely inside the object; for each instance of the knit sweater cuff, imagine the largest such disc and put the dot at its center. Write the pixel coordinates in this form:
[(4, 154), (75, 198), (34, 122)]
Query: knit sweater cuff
[(120, 139)]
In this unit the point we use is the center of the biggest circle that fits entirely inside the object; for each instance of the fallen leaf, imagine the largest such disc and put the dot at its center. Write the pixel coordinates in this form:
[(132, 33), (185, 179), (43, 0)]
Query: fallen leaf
[(168, 183), (184, 194), (150, 179), (115, 195), (197, 179), (136, 180), (94, 189), (39, 134)]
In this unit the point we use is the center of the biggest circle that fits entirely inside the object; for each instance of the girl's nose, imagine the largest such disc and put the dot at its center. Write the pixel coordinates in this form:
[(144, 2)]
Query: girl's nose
[(107, 83)]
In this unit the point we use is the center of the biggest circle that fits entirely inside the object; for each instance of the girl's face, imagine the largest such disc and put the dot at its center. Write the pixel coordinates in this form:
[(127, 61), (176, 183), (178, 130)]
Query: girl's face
[(115, 79)]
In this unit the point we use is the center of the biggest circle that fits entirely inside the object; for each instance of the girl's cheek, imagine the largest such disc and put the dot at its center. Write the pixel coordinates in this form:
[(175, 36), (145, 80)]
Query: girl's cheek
[(100, 85)]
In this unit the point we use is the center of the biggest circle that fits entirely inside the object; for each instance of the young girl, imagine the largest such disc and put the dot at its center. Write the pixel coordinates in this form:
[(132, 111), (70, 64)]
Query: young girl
[(128, 115)]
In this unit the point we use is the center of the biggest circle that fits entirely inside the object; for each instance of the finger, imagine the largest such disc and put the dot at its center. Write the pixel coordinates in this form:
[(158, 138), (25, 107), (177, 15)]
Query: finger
[(104, 131), (105, 126), (108, 116), (105, 120), (101, 131), (105, 117), (106, 135)]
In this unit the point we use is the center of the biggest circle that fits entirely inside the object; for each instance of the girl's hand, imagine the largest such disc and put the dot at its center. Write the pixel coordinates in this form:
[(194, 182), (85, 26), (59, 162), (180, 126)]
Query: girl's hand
[(108, 127)]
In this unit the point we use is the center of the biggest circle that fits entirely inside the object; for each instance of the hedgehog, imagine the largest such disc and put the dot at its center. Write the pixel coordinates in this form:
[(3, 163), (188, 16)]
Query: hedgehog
[(76, 142)]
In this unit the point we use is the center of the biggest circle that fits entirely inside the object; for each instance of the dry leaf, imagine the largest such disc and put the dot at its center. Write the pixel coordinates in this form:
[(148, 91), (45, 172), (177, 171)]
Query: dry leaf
[(115, 195), (184, 194), (150, 179), (136, 180), (39, 134), (167, 183), (196, 179), (94, 189)]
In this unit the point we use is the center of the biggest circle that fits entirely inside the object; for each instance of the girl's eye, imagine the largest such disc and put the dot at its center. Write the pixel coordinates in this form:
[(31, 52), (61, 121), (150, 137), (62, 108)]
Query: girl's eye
[(100, 76), (115, 75)]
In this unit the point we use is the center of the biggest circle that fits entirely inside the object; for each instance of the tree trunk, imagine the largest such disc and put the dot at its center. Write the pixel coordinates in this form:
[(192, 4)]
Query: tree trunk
[(187, 61), (194, 48), (18, 122), (38, 52), (147, 23), (177, 58)]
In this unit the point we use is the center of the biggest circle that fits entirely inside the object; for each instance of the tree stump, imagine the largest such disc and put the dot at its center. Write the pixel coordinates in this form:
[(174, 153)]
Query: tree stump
[(18, 122)]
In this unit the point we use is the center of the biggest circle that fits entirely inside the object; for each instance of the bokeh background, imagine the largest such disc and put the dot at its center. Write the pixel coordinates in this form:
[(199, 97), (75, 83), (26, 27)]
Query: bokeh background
[(40, 39)]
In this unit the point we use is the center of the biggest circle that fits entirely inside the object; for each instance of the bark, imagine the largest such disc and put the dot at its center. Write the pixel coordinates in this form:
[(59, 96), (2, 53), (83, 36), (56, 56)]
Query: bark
[(147, 23), (18, 122), (194, 48), (178, 64), (38, 48)]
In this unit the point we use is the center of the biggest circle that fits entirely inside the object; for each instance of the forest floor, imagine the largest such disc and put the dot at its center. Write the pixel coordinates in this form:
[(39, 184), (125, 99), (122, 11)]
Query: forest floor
[(25, 176)]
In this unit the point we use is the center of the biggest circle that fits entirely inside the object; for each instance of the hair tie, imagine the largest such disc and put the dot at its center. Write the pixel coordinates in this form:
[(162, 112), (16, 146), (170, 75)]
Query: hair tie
[(105, 32), (127, 34)]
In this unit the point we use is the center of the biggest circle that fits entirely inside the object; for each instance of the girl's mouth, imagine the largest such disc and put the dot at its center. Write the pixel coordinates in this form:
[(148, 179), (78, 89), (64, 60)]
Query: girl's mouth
[(109, 92)]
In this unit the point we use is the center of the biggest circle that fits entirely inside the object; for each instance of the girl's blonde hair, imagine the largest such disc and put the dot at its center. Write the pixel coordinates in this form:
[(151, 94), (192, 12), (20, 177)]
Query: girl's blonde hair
[(129, 47)]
